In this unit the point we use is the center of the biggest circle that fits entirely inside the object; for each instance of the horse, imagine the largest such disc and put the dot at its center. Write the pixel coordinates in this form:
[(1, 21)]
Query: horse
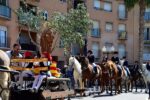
[(104, 84), (77, 73), (113, 75), (125, 75), (146, 76), (87, 71), (136, 75), (4, 76)]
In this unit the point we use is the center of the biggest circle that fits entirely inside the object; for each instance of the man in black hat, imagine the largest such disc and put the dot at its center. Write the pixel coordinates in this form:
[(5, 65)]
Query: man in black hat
[(91, 60)]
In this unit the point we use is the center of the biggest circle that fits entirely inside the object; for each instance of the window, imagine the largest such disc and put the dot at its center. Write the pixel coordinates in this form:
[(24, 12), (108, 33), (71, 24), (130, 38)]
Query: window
[(122, 27), (75, 49), (121, 50), (147, 9), (28, 7), (122, 11), (108, 6), (147, 33), (63, 0), (95, 29), (96, 4), (3, 36), (3, 2), (45, 15), (109, 26), (95, 49), (76, 2), (61, 44)]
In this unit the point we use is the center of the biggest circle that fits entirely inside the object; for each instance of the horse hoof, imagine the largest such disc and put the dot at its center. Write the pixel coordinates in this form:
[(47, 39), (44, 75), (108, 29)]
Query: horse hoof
[(89, 94), (84, 95)]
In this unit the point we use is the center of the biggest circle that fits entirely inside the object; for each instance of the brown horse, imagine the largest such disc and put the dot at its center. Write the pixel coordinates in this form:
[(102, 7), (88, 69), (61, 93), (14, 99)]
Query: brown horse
[(87, 71), (136, 75), (110, 74)]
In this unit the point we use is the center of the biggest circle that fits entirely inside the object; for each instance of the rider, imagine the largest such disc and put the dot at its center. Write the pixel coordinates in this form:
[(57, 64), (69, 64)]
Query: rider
[(125, 65), (115, 59), (136, 66), (91, 60), (148, 66)]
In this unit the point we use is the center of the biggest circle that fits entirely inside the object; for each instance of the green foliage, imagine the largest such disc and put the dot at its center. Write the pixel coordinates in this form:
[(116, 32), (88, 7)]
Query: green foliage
[(131, 3), (32, 19), (71, 26)]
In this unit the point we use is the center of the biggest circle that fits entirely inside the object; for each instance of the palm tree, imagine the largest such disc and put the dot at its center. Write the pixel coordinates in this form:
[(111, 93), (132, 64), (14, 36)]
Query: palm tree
[(142, 6)]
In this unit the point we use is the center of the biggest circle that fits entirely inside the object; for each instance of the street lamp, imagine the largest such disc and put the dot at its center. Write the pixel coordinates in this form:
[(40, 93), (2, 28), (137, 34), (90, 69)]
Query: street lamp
[(108, 50)]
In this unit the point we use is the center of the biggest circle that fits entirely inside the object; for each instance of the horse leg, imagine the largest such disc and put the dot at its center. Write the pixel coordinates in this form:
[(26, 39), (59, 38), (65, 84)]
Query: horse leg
[(111, 87), (149, 90), (81, 86), (146, 90)]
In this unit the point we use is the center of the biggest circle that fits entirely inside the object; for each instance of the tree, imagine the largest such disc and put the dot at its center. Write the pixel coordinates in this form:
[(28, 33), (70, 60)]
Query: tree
[(142, 6), (33, 21), (71, 26)]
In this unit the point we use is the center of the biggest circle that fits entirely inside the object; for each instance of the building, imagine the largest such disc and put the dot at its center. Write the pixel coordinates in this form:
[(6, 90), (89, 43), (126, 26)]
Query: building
[(113, 27), (9, 27), (146, 55)]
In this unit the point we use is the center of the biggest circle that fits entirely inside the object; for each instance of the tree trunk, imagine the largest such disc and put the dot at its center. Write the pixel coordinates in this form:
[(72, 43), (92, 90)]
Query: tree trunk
[(46, 42), (141, 30), (69, 5)]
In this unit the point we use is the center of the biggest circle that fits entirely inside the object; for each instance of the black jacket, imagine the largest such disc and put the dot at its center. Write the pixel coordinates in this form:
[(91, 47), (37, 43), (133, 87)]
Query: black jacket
[(91, 59), (125, 63)]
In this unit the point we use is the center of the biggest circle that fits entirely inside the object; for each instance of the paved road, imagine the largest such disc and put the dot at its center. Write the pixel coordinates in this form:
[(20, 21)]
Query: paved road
[(123, 96)]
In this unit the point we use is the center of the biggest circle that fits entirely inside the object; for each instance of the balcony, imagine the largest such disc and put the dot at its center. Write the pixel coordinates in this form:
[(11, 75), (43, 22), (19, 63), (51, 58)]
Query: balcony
[(146, 42), (122, 35), (5, 12), (95, 32), (122, 15), (147, 16), (34, 0), (5, 43), (25, 46)]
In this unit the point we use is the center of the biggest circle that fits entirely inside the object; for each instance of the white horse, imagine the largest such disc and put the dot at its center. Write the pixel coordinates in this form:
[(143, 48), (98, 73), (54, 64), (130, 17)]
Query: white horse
[(77, 71), (146, 76), (125, 77), (4, 76)]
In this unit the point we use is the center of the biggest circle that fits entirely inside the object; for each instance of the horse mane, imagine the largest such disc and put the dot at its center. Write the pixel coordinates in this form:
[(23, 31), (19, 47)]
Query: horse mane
[(4, 59), (76, 63)]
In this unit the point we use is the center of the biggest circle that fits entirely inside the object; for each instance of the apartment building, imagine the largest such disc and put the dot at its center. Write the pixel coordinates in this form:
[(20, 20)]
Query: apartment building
[(113, 29), (9, 27), (146, 54)]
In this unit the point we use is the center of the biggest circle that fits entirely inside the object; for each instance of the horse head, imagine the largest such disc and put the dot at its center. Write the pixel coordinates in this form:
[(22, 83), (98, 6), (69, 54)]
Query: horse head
[(4, 59), (71, 61), (84, 62)]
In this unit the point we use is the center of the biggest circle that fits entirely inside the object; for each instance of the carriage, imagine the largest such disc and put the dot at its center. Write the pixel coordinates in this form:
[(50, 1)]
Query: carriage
[(51, 88)]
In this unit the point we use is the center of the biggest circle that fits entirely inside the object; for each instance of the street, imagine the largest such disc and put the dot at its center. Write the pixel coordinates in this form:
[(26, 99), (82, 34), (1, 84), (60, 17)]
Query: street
[(122, 96)]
